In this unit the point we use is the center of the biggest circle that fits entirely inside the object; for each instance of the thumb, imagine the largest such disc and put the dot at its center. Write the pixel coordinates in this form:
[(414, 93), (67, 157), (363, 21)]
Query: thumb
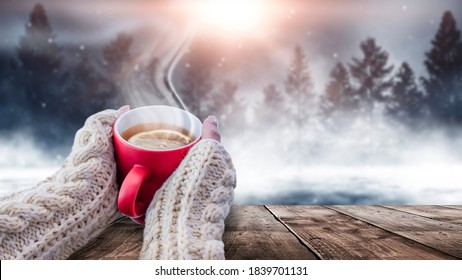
[(210, 129)]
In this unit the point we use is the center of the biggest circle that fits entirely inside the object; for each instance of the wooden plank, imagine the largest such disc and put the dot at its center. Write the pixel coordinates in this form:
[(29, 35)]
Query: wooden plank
[(454, 206), (120, 241), (440, 235), (439, 213), (333, 235), (252, 233)]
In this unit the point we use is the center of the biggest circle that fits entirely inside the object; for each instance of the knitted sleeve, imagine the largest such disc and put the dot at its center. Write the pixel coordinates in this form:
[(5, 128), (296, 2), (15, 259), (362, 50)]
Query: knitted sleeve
[(186, 217), (62, 213)]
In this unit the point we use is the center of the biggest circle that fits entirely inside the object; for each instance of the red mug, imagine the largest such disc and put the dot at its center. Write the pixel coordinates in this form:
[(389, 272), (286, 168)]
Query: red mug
[(141, 172)]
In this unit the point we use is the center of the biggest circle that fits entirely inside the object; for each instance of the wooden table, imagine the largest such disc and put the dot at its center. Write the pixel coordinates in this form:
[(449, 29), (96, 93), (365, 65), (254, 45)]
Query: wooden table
[(314, 232)]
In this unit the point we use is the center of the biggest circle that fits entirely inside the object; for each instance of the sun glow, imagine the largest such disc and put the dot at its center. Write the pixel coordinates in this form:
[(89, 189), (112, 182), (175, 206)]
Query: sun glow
[(231, 15)]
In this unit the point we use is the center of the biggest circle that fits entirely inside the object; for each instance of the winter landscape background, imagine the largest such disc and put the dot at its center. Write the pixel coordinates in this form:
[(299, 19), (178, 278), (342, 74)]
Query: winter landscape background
[(332, 102)]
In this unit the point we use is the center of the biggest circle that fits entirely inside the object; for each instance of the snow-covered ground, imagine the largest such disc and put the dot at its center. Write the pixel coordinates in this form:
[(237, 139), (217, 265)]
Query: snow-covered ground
[(316, 185), (13, 179), (420, 170), (418, 184)]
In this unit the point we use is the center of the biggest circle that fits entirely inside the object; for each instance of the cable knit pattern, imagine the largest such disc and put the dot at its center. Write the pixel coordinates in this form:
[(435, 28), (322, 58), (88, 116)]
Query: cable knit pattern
[(186, 217), (62, 213)]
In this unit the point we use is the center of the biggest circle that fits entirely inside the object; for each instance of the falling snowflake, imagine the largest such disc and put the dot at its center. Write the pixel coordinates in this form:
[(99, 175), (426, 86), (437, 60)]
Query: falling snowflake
[(404, 8), (82, 47), (43, 104), (187, 65), (335, 55), (50, 40)]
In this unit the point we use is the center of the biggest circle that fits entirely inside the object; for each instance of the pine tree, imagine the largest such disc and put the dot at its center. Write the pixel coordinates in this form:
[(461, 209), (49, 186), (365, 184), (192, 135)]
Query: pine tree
[(88, 92), (371, 74), (117, 59), (228, 108), (196, 84), (444, 65), (299, 89), (338, 97), (39, 79), (273, 107), (39, 60), (6, 94), (117, 53), (407, 102)]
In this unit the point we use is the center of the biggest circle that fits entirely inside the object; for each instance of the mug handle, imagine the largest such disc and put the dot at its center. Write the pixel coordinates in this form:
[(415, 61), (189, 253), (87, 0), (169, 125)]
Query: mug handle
[(129, 191)]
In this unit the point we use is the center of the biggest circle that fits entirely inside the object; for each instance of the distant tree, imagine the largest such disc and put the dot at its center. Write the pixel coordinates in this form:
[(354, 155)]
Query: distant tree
[(339, 96), (444, 66), (371, 74), (406, 102), (89, 92), (4, 63), (5, 93), (228, 108), (39, 60), (117, 61), (3, 77), (196, 85), (299, 89), (273, 108), (117, 53), (38, 80)]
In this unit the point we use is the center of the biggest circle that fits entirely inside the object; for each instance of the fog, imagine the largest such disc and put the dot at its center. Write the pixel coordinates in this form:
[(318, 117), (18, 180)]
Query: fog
[(357, 166), (364, 165), (365, 157)]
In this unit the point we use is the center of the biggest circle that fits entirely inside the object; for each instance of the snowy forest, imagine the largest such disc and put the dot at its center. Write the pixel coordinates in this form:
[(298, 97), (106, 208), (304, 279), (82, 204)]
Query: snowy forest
[(49, 90), (330, 112)]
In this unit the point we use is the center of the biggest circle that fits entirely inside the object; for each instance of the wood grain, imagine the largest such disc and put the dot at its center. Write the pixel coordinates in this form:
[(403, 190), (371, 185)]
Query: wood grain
[(252, 233), (443, 236), (337, 236), (314, 232), (435, 212), (454, 206), (120, 241)]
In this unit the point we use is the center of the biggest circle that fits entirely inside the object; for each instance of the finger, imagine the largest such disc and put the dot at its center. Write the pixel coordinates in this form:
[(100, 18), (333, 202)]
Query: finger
[(210, 129), (124, 109)]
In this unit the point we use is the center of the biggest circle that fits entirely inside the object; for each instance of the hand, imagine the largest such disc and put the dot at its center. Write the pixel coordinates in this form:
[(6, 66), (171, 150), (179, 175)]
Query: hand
[(185, 220)]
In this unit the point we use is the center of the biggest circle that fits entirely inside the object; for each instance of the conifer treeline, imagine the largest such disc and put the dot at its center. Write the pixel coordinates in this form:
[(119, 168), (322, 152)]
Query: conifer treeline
[(362, 87), (48, 91), (59, 87), (368, 83)]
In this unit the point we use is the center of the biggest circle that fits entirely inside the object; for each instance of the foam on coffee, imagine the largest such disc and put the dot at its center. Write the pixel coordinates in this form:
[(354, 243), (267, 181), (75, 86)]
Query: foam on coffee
[(157, 136)]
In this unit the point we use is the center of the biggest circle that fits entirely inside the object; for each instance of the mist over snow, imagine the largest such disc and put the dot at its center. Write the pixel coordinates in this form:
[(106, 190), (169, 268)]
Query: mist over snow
[(23, 164), (361, 164), (289, 146)]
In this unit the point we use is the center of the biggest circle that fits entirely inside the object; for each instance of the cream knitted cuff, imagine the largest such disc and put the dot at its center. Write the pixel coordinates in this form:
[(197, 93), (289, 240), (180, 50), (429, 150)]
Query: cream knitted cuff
[(62, 213), (186, 217)]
